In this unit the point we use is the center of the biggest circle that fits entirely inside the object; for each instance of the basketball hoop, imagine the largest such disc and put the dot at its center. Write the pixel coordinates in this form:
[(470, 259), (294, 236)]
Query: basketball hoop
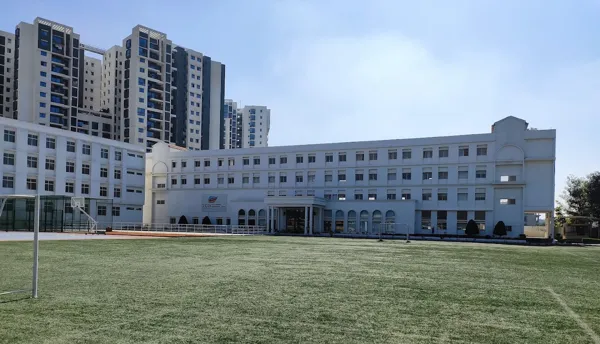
[(77, 202)]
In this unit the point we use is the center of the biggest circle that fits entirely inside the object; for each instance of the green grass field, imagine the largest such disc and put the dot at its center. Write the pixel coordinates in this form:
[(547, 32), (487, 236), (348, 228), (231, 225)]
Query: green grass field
[(300, 290)]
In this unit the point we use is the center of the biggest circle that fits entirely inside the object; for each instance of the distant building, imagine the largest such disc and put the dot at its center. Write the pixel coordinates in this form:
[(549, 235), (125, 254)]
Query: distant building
[(246, 127)]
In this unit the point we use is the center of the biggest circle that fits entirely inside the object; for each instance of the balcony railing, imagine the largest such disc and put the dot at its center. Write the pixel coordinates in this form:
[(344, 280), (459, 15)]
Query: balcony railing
[(154, 75), (152, 104), (154, 65), (60, 60), (155, 86)]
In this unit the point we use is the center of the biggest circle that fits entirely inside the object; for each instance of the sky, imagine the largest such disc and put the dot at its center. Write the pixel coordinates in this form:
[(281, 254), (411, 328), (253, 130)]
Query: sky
[(346, 70)]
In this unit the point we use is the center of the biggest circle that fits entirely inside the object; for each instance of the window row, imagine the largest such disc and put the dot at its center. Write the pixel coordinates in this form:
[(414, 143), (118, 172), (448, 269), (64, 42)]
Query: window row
[(50, 165), (372, 155), (86, 149), (442, 195), (50, 186), (342, 177)]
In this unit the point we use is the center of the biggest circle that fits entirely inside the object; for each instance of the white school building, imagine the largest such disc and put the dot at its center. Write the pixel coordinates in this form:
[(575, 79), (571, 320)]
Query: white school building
[(422, 185), (58, 164)]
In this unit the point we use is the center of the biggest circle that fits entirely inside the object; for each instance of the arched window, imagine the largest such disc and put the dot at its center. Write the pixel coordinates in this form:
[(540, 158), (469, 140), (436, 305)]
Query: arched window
[(377, 221), (251, 217), (262, 217), (390, 221), (242, 217), (351, 221), (339, 221), (364, 221)]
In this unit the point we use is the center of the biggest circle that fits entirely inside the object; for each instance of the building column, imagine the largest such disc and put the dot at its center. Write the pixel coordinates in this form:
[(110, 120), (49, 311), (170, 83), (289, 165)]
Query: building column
[(305, 220), (311, 221), (332, 220), (268, 223)]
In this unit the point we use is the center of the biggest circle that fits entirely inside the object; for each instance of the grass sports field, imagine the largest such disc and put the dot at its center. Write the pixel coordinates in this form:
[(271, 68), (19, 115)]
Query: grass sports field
[(300, 290)]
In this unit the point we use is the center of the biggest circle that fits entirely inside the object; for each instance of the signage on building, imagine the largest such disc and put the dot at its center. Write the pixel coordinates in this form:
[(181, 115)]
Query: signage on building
[(214, 203)]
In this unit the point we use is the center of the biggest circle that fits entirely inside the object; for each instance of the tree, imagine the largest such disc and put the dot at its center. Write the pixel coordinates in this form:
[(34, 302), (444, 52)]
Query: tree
[(183, 220), (472, 228), (576, 196), (500, 229), (206, 221), (593, 194)]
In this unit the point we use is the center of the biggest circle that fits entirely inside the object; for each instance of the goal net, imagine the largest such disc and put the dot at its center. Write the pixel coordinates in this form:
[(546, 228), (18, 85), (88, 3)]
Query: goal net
[(19, 268), (396, 229)]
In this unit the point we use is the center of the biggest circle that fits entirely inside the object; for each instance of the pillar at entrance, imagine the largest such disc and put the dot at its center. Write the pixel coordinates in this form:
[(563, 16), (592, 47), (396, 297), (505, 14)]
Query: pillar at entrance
[(305, 220), (311, 221)]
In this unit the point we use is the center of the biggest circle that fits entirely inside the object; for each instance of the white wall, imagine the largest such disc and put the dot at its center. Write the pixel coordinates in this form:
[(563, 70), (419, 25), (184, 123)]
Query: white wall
[(495, 162), (129, 201)]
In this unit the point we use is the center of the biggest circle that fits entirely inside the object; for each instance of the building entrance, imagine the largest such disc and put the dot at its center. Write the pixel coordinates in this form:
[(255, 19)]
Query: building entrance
[(294, 220)]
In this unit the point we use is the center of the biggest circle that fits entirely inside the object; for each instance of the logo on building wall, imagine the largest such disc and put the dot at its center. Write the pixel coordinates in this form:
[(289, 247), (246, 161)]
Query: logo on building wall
[(214, 203)]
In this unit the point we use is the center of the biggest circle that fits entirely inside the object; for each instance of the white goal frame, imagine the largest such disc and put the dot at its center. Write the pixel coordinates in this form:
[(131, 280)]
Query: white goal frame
[(36, 242), (395, 225)]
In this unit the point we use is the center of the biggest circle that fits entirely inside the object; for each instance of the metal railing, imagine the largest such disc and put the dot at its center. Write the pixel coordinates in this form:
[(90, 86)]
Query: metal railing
[(180, 228)]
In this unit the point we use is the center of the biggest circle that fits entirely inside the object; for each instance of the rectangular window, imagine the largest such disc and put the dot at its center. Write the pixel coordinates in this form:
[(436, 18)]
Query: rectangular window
[(373, 156), (85, 169), (341, 176), (103, 191), (480, 174), (256, 179), (391, 174), (481, 150), (9, 159), (9, 135), (372, 175), (256, 160), (283, 160), (391, 194), (282, 178), (32, 162), (427, 195), (50, 143), (462, 195), (443, 152), (299, 177), (358, 176), (86, 149), (329, 157), (360, 156), (117, 174), (85, 189), (427, 154), (463, 151), (392, 154), (312, 158), (32, 140), (372, 195), (103, 172), (246, 161), (31, 183), (117, 192), (50, 165), (506, 201), (116, 211), (70, 167), (206, 163), (341, 157), (442, 195), (406, 174), (312, 177), (442, 174), (230, 180), (118, 156), (271, 160), (69, 187), (442, 218), (160, 201), (406, 154), (406, 195), (220, 180), (463, 173), (8, 182), (328, 176), (101, 210), (480, 194), (427, 175), (299, 159), (271, 179), (71, 146), (49, 185), (425, 219), (104, 153), (505, 179), (358, 195)]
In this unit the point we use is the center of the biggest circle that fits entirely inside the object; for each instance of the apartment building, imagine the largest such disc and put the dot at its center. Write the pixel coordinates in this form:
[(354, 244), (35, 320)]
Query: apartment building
[(59, 165), (246, 127), (92, 83), (421, 185), (112, 86), (7, 57)]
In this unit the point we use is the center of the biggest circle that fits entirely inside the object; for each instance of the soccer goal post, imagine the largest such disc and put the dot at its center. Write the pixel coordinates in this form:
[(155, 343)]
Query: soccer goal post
[(4, 201), (396, 229)]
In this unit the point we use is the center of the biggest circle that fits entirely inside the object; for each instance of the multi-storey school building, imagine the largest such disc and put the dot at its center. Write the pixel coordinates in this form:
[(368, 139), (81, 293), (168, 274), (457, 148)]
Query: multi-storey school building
[(421, 185)]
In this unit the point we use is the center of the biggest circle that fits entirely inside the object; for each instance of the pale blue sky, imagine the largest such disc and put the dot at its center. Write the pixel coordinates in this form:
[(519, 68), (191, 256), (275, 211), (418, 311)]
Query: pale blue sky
[(346, 70)]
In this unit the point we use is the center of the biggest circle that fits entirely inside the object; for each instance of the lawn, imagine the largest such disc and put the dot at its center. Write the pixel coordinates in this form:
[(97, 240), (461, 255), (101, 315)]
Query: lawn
[(300, 290)]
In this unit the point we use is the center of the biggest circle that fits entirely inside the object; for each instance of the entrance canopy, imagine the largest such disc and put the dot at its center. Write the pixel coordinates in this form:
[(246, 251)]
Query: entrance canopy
[(295, 201)]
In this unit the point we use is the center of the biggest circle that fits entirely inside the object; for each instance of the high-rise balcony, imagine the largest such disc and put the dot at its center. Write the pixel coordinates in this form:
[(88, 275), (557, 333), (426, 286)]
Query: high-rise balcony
[(154, 75), (153, 115), (154, 126), (59, 100), (58, 110), (155, 96), (155, 87), (154, 104), (154, 55), (154, 65), (60, 60), (59, 80), (55, 89), (59, 69)]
